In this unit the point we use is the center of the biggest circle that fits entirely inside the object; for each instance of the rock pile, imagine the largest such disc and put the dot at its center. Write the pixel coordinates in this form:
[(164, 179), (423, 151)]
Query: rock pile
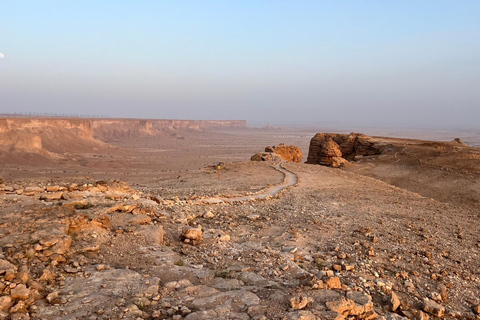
[(280, 152), (335, 150)]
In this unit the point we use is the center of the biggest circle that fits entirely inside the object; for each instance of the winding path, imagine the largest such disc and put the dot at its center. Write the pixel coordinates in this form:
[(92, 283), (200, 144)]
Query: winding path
[(290, 179)]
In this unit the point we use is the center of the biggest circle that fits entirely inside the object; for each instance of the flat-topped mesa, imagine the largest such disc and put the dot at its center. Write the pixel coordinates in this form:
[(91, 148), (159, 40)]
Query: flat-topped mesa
[(25, 138), (335, 150), (280, 152), (119, 128)]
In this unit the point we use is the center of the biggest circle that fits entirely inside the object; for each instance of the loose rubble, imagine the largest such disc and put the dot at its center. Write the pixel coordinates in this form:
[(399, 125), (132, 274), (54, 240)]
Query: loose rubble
[(104, 250)]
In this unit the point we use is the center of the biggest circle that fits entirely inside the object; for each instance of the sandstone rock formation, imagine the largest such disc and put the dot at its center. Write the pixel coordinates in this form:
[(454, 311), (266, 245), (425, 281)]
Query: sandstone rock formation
[(335, 150), (45, 139), (105, 129), (280, 152), (289, 153), (265, 156)]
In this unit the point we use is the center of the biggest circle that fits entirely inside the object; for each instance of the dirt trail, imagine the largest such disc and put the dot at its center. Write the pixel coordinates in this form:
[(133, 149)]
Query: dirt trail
[(290, 179)]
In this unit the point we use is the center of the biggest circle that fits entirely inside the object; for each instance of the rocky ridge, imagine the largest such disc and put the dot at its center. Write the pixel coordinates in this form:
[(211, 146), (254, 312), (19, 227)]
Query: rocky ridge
[(335, 150), (280, 152)]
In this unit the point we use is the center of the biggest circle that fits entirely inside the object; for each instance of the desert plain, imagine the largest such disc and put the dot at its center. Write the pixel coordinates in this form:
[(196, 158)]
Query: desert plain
[(128, 219)]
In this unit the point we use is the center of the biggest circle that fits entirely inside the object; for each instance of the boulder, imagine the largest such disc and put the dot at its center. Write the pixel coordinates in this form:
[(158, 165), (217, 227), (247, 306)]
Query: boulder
[(288, 153), (434, 308), (335, 150), (191, 235), (278, 153), (265, 156)]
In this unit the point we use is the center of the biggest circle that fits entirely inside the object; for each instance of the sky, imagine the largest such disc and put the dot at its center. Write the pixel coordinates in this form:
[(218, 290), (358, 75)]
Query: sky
[(380, 63)]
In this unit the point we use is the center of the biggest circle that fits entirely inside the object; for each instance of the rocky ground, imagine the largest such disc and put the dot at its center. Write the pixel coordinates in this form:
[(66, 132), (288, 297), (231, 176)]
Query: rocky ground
[(336, 246)]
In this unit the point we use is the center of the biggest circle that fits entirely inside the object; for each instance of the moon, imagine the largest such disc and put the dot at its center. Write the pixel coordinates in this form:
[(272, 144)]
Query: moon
[(1, 55)]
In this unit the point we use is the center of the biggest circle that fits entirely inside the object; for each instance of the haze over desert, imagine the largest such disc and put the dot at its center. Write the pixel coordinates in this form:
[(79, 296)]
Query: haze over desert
[(243, 160)]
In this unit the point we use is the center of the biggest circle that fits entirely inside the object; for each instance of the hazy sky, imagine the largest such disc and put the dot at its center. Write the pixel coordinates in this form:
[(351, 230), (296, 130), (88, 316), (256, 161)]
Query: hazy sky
[(395, 62)]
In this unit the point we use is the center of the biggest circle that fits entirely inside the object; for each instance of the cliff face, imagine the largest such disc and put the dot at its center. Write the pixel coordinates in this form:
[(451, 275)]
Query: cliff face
[(118, 128), (56, 137), (45, 136)]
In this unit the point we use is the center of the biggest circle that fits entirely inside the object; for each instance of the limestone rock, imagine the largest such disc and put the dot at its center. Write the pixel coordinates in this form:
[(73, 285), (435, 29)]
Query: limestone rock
[(5, 303), (49, 197), (288, 153), (394, 302), (300, 315), (333, 283), (154, 234), (300, 302), (362, 303), (191, 235), (265, 156), (335, 150), (422, 316), (20, 292), (433, 308), (6, 266), (341, 305)]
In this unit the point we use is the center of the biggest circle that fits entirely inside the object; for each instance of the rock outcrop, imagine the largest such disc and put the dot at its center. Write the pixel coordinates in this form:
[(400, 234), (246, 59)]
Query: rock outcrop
[(265, 156), (45, 139), (108, 129), (280, 152), (335, 150), (288, 153)]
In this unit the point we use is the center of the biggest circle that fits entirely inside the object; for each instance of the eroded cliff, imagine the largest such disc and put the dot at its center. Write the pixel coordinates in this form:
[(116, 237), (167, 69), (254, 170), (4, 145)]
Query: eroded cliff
[(51, 138), (335, 150), (106, 129)]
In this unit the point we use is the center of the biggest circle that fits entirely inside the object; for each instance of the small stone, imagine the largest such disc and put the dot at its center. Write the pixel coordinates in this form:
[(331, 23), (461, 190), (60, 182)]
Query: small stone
[(53, 298), (23, 277), (20, 316), (443, 291), (224, 238), (433, 308), (289, 249), (340, 305), (337, 267), (330, 273), (422, 316), (20, 292), (6, 266), (394, 316), (101, 267), (209, 215), (476, 309), (300, 315), (371, 252), (9, 276), (436, 296), (300, 302), (342, 255), (394, 302), (5, 303), (253, 217), (47, 275), (20, 307), (333, 283), (191, 235)]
